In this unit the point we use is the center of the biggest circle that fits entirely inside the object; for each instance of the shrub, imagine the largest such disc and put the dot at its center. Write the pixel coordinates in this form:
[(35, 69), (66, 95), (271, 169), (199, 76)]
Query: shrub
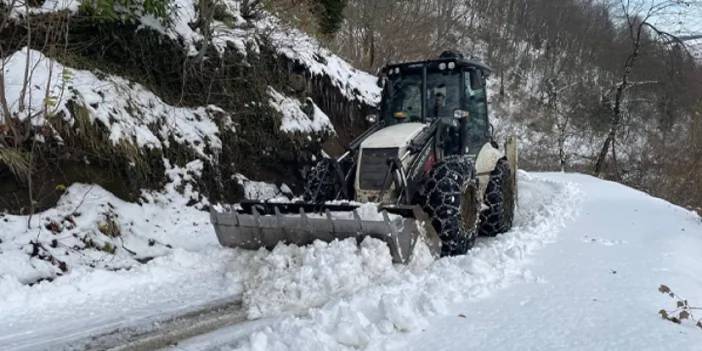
[(683, 310), (125, 10)]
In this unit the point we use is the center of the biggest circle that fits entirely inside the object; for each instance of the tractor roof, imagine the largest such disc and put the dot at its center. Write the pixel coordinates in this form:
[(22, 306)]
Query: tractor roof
[(447, 56)]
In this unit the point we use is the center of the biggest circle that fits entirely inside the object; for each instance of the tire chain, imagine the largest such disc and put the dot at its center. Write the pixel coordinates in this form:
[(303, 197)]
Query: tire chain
[(320, 185), (495, 219), (442, 200)]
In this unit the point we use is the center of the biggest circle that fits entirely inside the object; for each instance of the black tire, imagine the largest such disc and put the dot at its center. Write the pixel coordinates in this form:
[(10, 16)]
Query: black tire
[(321, 184), (499, 198), (450, 198)]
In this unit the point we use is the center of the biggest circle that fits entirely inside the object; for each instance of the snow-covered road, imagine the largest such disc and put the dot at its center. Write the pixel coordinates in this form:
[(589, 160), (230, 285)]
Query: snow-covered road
[(397, 300), (580, 270), (553, 283), (595, 288)]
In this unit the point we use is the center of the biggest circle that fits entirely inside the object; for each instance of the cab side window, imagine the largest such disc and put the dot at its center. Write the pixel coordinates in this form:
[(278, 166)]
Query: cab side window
[(477, 104)]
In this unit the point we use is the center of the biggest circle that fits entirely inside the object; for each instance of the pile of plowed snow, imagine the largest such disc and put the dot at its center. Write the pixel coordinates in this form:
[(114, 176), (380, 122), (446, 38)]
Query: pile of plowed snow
[(359, 298)]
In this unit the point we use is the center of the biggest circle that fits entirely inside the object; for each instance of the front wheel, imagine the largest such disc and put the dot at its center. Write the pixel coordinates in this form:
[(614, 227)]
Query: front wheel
[(452, 202)]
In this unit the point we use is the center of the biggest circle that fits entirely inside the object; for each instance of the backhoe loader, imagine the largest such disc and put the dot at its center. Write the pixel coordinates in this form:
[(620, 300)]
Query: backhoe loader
[(429, 168)]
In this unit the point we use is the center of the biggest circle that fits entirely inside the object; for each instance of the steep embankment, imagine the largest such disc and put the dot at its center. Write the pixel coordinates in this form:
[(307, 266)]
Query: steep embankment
[(269, 97)]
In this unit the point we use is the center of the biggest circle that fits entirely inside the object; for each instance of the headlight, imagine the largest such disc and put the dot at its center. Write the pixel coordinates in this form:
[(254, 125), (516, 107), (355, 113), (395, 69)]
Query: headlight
[(372, 118)]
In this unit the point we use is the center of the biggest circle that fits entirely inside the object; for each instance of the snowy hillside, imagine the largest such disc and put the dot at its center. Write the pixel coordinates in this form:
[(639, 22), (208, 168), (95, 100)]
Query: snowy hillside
[(244, 36), (580, 270), (120, 143), (261, 103), (130, 112)]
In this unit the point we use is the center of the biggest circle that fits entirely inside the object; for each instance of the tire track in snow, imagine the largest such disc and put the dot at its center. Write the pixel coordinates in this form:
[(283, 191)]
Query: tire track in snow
[(152, 333), (172, 331)]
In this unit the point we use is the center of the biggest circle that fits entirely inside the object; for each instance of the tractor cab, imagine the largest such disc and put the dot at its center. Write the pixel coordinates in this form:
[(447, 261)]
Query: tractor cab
[(450, 88)]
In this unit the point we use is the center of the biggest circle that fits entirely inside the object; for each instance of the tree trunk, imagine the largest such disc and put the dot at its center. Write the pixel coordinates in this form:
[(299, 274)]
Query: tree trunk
[(599, 164), (617, 110), (371, 53), (561, 151)]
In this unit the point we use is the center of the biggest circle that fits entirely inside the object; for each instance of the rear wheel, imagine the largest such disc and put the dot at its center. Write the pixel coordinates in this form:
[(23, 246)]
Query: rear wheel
[(452, 202), (499, 198)]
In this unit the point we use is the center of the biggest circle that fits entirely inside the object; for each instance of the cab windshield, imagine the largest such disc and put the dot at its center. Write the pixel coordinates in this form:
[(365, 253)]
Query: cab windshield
[(443, 93), (404, 100), (441, 96)]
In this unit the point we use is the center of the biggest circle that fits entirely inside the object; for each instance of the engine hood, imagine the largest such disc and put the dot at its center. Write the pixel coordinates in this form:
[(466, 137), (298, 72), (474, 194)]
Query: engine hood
[(395, 136)]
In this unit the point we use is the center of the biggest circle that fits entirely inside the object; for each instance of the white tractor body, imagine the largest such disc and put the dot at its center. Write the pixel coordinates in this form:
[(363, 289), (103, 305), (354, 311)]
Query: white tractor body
[(390, 142)]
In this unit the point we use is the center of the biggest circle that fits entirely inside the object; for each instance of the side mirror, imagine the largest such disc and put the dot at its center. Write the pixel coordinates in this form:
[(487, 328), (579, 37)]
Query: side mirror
[(372, 118), (475, 80)]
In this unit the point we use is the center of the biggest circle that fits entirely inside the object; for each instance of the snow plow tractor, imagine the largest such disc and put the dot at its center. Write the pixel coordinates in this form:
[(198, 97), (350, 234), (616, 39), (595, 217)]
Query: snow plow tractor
[(428, 169)]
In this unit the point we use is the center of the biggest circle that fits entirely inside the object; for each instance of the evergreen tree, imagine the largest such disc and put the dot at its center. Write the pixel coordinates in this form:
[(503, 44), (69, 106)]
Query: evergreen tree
[(331, 15)]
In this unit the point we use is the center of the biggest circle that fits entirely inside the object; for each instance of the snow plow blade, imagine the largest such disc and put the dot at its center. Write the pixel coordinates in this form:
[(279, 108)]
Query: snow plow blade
[(258, 225)]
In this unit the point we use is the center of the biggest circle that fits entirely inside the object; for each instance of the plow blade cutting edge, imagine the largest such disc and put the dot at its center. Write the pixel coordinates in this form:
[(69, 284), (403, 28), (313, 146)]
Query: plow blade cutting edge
[(257, 225)]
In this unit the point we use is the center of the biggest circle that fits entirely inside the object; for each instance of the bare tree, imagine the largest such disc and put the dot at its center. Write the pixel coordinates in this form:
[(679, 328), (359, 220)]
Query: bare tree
[(641, 33), (378, 31)]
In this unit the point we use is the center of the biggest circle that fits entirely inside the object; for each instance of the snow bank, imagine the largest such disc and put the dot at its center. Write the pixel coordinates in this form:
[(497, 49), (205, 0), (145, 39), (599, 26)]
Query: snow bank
[(595, 288), (90, 227), (262, 191), (129, 111), (95, 263), (297, 120), (296, 278)]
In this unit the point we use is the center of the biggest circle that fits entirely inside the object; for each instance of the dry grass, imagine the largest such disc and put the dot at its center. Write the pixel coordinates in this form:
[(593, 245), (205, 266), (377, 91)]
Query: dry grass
[(16, 161)]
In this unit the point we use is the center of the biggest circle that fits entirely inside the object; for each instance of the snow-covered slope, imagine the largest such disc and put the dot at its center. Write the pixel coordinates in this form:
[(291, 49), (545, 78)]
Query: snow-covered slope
[(130, 112), (580, 270), (238, 33)]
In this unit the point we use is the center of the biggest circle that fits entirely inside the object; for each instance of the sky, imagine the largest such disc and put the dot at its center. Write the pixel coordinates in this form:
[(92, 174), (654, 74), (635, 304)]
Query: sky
[(679, 20), (682, 21)]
